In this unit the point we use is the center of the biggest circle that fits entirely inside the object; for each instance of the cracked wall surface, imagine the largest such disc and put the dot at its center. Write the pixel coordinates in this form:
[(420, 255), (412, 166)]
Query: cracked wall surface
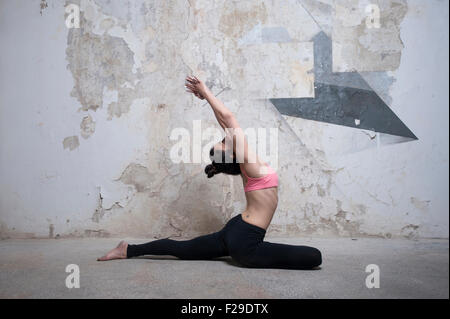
[(86, 151)]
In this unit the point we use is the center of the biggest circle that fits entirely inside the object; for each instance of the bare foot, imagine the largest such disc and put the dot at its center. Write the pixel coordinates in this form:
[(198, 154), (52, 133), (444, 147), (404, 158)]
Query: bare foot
[(120, 252)]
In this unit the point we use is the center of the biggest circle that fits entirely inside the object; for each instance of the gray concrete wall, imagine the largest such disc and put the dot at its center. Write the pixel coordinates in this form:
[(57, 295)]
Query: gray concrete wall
[(86, 115)]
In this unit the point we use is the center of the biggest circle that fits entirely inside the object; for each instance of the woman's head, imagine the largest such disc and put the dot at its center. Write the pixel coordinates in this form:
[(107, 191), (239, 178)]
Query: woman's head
[(223, 161)]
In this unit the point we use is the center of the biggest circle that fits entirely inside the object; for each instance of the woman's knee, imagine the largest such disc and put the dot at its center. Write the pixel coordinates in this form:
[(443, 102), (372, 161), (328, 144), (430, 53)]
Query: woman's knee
[(316, 257)]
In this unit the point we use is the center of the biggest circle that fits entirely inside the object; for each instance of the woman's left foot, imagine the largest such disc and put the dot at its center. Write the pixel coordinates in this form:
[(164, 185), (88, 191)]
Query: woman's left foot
[(120, 252)]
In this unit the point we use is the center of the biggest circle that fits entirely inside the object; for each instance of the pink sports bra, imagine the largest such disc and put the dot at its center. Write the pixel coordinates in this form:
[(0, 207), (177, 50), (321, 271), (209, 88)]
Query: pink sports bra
[(266, 181)]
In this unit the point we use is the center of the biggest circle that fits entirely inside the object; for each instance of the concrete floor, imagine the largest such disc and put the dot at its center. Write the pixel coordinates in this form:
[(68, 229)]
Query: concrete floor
[(408, 269)]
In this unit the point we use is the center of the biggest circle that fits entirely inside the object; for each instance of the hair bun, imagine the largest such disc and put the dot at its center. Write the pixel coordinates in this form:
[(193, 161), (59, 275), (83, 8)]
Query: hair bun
[(210, 170)]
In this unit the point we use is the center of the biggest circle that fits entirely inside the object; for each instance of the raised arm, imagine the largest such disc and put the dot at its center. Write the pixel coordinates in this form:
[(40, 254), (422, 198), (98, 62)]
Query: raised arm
[(223, 115), (228, 122)]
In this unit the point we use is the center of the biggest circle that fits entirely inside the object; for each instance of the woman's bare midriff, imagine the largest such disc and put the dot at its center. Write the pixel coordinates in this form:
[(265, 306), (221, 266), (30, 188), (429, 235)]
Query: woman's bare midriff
[(261, 206)]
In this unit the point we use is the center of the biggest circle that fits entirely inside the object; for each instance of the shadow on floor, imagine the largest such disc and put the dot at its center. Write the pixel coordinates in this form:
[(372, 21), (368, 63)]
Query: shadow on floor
[(228, 260)]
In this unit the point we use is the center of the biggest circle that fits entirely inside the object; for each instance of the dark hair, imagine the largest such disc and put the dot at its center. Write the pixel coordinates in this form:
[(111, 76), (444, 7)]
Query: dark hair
[(222, 162)]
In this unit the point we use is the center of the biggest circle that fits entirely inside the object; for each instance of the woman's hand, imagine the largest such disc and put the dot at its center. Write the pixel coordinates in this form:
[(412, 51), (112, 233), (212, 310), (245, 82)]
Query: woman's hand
[(197, 87)]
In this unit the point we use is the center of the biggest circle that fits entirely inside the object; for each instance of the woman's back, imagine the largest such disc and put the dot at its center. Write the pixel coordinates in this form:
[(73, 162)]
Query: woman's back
[(262, 197)]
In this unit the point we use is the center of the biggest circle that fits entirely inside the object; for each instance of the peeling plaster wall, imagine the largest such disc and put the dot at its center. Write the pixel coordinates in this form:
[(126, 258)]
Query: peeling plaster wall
[(86, 115)]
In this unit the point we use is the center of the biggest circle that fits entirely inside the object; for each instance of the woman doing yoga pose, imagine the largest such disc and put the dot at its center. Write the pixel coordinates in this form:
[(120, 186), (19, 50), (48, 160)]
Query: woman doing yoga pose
[(242, 238)]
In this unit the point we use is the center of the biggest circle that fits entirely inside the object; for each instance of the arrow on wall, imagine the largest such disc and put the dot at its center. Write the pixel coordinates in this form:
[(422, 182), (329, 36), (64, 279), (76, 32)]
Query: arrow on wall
[(342, 98)]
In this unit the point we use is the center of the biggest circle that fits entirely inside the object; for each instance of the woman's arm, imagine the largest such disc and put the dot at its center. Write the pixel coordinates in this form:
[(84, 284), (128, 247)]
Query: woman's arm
[(226, 120), (223, 115)]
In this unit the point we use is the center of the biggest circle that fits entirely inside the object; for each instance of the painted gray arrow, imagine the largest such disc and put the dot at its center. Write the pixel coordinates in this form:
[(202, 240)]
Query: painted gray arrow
[(342, 98)]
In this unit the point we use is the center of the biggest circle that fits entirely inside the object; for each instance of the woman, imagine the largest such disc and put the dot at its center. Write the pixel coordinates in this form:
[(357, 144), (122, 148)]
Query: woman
[(242, 237)]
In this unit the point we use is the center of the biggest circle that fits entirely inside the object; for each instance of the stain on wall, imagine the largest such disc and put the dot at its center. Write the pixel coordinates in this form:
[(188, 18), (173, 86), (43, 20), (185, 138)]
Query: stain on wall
[(42, 6), (98, 63), (87, 126), (240, 17), (357, 47), (138, 176), (101, 211), (71, 142)]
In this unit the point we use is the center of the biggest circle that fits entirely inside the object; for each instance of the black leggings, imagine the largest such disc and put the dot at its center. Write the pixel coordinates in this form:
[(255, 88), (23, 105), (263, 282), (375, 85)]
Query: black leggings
[(238, 239)]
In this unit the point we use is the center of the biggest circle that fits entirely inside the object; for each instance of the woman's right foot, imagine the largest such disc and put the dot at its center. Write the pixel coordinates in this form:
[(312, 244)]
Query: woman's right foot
[(120, 252)]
